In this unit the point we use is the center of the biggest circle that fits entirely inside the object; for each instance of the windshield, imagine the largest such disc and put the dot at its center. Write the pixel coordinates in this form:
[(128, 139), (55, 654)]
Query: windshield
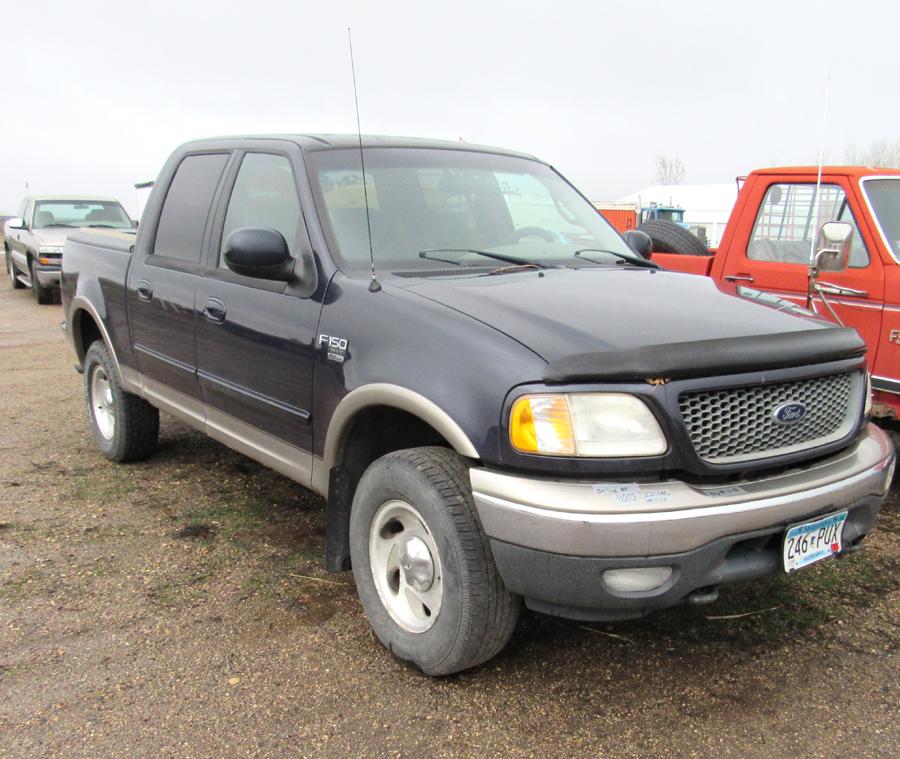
[(80, 213), (884, 197), (430, 208)]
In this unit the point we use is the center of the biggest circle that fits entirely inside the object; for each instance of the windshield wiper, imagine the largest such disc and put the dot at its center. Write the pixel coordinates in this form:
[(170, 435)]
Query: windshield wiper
[(635, 261), (47, 226), (485, 253)]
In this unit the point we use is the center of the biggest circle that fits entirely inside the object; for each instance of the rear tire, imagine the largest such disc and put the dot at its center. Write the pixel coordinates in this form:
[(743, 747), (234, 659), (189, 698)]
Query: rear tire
[(43, 294), (668, 237), (11, 271), (125, 426), (423, 566)]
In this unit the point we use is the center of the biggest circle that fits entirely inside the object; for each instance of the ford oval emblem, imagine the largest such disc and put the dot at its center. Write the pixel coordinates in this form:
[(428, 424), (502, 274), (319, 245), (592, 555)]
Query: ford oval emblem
[(789, 413)]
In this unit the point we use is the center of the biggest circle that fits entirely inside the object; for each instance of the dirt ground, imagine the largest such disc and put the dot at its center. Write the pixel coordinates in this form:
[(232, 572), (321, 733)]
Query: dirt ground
[(177, 607)]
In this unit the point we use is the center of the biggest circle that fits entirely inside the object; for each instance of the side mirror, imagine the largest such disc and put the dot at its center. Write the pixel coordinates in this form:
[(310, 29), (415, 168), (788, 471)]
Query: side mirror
[(639, 242), (259, 252), (135, 223), (833, 246), (16, 223)]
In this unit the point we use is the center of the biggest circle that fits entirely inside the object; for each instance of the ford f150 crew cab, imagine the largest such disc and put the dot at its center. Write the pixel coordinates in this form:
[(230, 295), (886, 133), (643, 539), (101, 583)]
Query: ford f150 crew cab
[(499, 398), (767, 246)]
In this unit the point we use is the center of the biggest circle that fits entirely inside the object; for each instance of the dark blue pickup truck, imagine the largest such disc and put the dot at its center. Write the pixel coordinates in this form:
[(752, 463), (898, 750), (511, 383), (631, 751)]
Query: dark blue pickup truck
[(501, 398)]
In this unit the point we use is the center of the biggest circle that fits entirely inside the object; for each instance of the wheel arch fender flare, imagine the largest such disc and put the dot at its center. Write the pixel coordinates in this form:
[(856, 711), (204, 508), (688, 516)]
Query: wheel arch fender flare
[(394, 396), (82, 309)]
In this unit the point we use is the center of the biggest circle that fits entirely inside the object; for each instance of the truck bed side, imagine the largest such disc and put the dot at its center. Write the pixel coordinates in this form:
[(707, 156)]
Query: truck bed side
[(688, 264), (95, 271)]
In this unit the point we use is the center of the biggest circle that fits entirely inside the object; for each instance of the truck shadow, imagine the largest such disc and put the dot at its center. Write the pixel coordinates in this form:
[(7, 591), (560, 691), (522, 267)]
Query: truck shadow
[(237, 503)]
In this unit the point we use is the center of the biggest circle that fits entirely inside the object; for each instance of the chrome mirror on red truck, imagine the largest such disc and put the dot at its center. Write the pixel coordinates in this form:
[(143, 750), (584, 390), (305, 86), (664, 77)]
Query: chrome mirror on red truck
[(833, 246)]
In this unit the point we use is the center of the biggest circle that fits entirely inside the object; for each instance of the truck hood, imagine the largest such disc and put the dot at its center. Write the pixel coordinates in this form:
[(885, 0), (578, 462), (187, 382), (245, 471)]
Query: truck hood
[(51, 235), (560, 312)]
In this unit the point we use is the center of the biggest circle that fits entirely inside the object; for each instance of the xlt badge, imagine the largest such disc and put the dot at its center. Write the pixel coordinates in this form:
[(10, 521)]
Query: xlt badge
[(335, 347)]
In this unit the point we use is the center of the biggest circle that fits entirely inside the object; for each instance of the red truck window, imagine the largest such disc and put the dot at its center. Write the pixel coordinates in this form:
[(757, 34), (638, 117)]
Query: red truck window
[(786, 223)]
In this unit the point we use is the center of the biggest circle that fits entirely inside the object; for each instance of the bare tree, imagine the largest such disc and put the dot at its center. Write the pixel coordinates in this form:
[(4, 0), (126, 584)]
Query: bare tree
[(883, 154), (669, 170)]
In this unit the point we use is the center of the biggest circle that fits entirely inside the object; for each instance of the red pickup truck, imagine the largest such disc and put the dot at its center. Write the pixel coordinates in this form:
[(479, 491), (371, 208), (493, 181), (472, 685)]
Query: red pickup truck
[(767, 244)]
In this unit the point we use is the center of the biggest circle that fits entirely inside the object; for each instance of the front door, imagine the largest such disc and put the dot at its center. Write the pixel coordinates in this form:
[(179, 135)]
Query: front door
[(775, 256), (255, 338)]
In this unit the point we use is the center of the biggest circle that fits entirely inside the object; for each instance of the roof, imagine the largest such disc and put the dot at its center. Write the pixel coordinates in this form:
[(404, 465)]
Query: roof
[(841, 171), (79, 198), (314, 142)]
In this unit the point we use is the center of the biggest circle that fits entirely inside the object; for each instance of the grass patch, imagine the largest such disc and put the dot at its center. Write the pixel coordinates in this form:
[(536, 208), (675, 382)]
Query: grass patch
[(112, 485)]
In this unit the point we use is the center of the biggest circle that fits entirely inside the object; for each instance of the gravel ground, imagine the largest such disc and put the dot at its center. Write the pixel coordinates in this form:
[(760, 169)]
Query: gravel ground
[(177, 608)]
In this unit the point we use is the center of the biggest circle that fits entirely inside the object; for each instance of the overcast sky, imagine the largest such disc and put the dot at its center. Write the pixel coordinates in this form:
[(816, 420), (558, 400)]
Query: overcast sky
[(96, 94)]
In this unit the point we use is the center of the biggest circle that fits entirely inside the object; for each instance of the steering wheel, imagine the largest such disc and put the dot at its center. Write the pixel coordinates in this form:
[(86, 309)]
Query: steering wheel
[(545, 234)]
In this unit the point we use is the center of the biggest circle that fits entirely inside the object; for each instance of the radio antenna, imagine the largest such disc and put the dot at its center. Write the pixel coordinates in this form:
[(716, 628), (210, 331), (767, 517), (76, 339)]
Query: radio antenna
[(818, 196), (374, 285), (813, 269)]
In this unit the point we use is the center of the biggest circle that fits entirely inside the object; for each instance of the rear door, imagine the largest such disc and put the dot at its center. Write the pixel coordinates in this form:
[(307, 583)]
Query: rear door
[(773, 254), (255, 338), (162, 284)]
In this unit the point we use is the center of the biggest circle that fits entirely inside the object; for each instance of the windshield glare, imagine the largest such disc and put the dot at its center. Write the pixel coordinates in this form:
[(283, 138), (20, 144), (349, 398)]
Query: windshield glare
[(448, 202), (80, 213), (884, 197)]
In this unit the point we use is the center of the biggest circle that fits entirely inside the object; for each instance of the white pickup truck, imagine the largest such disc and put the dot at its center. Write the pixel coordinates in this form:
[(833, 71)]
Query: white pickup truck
[(33, 241)]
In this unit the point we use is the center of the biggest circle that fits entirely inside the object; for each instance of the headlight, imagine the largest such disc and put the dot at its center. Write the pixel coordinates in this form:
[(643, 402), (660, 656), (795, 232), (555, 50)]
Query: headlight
[(585, 424), (868, 410), (51, 249)]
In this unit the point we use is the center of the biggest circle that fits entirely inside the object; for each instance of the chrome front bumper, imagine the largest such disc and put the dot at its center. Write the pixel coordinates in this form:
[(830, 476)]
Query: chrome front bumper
[(618, 519)]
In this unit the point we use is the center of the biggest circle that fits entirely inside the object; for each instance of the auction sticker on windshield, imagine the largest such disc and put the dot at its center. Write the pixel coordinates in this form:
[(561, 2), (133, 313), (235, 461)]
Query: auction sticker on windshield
[(807, 543)]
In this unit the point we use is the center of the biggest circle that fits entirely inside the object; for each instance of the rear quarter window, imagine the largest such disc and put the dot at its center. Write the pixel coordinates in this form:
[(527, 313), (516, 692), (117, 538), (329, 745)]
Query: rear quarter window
[(185, 212)]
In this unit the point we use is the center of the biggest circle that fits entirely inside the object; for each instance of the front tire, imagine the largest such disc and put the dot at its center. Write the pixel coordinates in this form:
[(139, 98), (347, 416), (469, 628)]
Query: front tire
[(125, 426), (423, 566), (43, 294)]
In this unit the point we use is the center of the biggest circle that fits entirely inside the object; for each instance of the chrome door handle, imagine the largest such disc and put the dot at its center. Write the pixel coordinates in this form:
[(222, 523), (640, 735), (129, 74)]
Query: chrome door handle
[(738, 278), (214, 310), (144, 290), (831, 289)]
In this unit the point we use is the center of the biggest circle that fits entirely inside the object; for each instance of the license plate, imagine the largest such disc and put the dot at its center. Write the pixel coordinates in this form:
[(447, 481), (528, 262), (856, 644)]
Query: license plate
[(807, 543)]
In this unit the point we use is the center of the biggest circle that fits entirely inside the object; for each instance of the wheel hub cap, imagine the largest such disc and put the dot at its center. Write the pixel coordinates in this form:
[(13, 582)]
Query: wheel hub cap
[(102, 405), (417, 564), (406, 566)]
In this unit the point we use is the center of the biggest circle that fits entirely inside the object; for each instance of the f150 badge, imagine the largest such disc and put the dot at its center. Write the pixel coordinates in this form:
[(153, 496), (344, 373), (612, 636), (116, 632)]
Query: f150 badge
[(335, 347)]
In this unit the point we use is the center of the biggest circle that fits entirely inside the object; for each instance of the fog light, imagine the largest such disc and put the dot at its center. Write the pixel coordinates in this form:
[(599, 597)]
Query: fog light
[(635, 579)]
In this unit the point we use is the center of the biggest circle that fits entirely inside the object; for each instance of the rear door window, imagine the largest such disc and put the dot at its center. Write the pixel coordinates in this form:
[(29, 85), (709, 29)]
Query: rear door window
[(182, 224)]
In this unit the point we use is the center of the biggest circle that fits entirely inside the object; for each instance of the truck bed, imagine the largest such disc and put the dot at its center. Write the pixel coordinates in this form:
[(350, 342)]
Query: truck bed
[(681, 262), (106, 256)]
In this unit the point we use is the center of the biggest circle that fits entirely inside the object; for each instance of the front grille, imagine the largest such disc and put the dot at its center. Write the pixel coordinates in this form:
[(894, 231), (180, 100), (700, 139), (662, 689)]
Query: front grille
[(738, 424)]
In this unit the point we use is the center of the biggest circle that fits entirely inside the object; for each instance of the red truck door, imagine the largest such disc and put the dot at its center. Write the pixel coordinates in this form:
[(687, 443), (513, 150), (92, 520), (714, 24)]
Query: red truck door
[(771, 247)]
